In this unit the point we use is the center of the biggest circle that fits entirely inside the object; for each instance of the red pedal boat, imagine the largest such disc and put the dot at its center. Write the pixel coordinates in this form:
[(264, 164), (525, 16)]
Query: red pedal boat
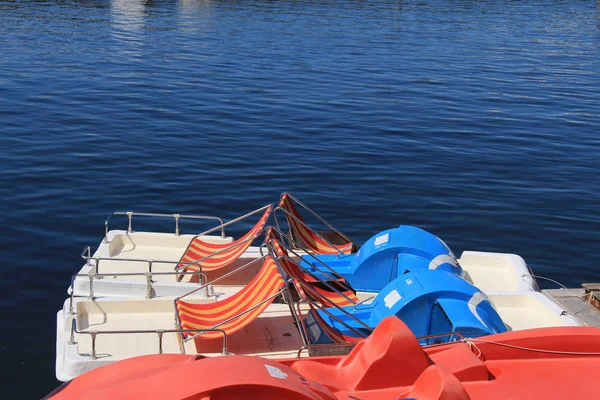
[(545, 363)]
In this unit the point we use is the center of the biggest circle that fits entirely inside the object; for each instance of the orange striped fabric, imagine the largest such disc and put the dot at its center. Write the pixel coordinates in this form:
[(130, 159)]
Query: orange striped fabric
[(316, 288), (227, 252), (307, 236), (265, 284)]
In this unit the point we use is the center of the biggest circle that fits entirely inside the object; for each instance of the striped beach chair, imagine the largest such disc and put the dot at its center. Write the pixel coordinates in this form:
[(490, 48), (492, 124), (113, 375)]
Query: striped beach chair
[(212, 256), (235, 312)]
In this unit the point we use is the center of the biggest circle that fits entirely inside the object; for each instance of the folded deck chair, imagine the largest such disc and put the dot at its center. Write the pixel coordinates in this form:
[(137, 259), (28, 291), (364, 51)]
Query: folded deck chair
[(335, 292), (307, 236), (212, 256), (234, 312)]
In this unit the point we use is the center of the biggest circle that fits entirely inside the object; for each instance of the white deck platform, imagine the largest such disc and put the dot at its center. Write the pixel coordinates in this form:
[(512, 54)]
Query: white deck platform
[(133, 302), (497, 272), (131, 253), (273, 334)]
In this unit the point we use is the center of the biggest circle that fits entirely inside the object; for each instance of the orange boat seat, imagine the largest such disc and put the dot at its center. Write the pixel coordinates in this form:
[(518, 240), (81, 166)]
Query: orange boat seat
[(391, 354)]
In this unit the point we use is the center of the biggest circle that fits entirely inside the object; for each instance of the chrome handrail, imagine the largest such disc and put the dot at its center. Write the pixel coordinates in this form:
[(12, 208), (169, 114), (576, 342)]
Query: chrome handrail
[(223, 225), (289, 214), (307, 253), (324, 309), (150, 261), (148, 276), (301, 204), (159, 332), (295, 218), (177, 217), (206, 284), (451, 334), (335, 276)]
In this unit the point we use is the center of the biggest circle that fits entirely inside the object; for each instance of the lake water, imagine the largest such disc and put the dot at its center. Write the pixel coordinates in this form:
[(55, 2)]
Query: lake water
[(478, 121)]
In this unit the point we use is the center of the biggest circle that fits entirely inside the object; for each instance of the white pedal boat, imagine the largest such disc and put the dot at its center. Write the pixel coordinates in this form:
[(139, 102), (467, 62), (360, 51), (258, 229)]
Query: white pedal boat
[(121, 302)]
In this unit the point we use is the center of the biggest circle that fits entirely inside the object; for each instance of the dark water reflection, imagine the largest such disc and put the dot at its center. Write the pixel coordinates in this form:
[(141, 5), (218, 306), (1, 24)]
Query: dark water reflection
[(476, 120)]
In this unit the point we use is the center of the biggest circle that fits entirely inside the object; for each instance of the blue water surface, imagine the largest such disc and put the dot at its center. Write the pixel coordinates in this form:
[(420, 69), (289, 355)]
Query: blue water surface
[(478, 121)]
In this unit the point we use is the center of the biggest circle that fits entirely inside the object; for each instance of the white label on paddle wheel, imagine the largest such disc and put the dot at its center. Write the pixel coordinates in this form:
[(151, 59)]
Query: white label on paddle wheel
[(276, 372), (392, 298), (383, 239)]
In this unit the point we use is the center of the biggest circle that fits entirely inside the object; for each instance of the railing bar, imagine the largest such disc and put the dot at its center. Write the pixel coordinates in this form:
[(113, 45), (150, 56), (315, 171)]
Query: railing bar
[(301, 204), (124, 332), (320, 280), (289, 214), (141, 273), (342, 322), (338, 276), (223, 225), (335, 306), (222, 277), (131, 214)]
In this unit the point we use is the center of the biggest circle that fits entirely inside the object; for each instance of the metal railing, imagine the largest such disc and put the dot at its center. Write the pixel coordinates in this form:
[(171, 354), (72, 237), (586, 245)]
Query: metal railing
[(332, 275), (96, 260), (177, 217), (289, 215), (149, 282), (159, 332), (206, 284), (450, 334), (223, 225), (338, 320), (351, 345)]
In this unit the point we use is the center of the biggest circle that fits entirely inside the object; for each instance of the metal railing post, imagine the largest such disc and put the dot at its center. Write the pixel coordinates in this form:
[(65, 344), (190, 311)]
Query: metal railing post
[(129, 217), (93, 353), (160, 333), (73, 278), (72, 337), (71, 301), (148, 285), (176, 223), (91, 294), (224, 343)]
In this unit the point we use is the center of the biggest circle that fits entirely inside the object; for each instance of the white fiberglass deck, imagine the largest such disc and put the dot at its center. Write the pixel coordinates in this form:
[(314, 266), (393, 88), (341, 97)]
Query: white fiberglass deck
[(497, 272), (529, 310), (139, 253), (273, 334)]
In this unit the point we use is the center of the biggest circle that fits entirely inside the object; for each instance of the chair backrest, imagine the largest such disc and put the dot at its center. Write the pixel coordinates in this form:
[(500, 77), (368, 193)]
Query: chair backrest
[(237, 311), (306, 235), (212, 256)]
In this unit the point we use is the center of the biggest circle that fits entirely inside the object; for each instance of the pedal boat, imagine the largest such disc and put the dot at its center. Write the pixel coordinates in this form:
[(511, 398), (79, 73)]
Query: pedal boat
[(549, 363), (128, 307)]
